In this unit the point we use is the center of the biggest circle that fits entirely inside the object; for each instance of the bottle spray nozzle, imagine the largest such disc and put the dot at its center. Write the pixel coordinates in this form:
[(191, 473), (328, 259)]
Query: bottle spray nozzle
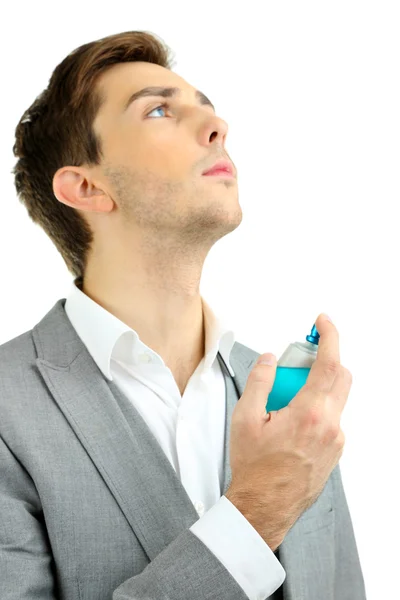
[(314, 336)]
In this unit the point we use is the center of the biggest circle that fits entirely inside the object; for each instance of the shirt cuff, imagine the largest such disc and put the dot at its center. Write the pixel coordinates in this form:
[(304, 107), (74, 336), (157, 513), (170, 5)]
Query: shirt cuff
[(240, 548)]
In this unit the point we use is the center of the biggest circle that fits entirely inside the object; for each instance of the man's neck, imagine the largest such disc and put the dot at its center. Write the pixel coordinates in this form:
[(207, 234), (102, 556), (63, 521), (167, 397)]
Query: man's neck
[(173, 327)]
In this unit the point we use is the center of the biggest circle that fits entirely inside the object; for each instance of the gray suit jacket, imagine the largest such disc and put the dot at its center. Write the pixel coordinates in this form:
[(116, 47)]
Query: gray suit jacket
[(91, 508)]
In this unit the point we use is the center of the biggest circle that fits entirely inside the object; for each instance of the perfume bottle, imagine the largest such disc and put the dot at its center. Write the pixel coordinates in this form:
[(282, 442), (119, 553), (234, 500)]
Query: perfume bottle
[(292, 370)]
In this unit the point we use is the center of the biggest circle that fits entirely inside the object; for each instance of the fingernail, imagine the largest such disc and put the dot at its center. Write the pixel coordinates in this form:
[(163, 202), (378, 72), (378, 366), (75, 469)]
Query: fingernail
[(328, 317), (267, 359)]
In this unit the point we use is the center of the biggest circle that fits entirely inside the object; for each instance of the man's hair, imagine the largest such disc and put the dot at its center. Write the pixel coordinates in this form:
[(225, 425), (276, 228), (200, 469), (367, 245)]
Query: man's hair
[(56, 131)]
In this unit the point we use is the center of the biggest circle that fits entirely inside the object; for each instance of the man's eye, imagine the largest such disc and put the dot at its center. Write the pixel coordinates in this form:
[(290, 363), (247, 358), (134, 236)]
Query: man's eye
[(163, 106)]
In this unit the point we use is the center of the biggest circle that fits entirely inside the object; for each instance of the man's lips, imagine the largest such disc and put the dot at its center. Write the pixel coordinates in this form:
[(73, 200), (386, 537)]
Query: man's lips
[(222, 168), (219, 173)]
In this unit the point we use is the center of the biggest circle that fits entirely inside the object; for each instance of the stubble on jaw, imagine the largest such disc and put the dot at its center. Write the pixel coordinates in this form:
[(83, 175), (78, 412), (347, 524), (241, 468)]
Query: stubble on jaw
[(154, 204)]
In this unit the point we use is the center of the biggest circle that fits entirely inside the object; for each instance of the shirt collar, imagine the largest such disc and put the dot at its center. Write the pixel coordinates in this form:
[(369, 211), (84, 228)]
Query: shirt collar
[(106, 337)]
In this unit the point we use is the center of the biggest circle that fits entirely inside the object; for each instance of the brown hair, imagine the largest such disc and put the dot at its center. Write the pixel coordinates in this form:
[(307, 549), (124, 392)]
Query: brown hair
[(56, 131)]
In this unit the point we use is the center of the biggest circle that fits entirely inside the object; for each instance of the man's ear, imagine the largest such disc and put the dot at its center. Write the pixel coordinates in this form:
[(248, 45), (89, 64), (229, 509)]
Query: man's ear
[(74, 187)]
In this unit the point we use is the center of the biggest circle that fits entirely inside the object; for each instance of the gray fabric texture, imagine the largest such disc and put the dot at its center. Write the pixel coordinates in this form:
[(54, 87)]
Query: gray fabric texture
[(91, 508)]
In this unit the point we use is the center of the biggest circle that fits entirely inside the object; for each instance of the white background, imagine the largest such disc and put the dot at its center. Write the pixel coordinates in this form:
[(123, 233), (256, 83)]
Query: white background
[(311, 93)]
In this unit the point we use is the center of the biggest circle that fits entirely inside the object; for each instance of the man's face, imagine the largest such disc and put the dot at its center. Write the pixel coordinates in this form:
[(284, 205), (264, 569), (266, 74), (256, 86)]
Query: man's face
[(154, 157)]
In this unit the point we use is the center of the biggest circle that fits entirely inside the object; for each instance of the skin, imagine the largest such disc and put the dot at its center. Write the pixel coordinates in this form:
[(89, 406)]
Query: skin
[(154, 215)]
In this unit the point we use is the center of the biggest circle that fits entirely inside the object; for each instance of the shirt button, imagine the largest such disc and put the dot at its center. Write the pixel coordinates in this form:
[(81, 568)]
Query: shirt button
[(199, 506)]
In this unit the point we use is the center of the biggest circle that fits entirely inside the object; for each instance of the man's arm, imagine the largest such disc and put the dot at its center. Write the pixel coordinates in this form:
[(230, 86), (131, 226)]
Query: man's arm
[(199, 565), (26, 570), (349, 581), (186, 568)]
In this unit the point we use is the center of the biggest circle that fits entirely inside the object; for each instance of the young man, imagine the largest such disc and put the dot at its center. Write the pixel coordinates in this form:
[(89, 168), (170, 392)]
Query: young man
[(116, 408)]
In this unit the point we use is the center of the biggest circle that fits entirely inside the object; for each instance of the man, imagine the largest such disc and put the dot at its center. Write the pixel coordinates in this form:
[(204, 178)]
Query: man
[(116, 408)]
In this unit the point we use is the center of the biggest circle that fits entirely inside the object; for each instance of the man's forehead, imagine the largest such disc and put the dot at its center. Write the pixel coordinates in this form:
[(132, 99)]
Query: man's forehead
[(126, 78)]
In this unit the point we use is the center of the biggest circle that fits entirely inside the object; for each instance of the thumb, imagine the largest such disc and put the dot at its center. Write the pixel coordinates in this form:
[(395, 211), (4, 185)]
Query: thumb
[(259, 385)]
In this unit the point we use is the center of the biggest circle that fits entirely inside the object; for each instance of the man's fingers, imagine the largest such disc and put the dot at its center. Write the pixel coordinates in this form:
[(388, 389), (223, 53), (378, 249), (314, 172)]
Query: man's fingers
[(327, 364), (341, 388)]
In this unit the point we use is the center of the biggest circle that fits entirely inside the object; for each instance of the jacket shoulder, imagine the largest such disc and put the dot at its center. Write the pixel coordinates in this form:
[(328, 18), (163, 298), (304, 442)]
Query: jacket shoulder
[(16, 352)]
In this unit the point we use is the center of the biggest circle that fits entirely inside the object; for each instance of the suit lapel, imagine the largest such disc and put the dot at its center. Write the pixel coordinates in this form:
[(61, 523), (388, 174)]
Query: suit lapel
[(115, 435), (123, 448)]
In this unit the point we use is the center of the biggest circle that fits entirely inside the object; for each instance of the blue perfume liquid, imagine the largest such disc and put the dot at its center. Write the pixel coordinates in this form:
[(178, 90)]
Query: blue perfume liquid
[(288, 382), (292, 371)]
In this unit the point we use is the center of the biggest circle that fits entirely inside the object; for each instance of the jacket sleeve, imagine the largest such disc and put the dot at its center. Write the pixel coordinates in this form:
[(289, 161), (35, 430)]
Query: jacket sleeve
[(186, 568), (349, 581), (26, 561), (198, 565)]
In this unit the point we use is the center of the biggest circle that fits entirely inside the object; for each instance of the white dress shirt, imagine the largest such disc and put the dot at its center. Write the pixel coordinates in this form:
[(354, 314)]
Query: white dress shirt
[(189, 429)]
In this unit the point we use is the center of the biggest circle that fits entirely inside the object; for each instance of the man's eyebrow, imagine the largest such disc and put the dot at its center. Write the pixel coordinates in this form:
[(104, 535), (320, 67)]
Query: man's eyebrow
[(165, 92)]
